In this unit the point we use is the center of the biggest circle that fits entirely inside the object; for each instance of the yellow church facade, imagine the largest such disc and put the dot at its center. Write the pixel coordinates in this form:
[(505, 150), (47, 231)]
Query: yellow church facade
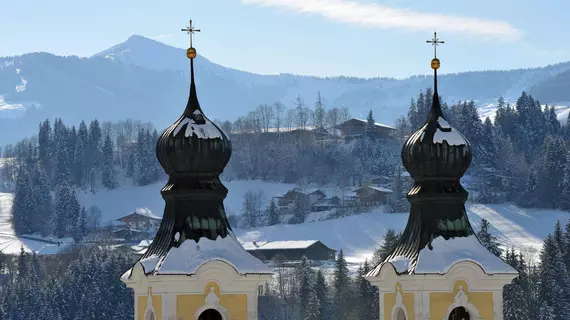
[(435, 296), (215, 286)]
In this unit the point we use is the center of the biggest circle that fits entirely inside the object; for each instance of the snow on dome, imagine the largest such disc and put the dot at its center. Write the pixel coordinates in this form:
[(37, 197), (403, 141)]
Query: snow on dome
[(446, 253), (188, 258), (401, 264), (206, 130)]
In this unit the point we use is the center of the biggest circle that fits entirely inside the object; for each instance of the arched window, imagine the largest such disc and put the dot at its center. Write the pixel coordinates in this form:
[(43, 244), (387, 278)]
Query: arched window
[(149, 315), (459, 313), (399, 314), (210, 314)]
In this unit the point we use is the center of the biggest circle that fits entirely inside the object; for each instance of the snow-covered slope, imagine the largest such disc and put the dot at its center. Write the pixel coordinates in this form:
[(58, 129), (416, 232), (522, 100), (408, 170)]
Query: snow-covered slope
[(124, 200), (358, 236)]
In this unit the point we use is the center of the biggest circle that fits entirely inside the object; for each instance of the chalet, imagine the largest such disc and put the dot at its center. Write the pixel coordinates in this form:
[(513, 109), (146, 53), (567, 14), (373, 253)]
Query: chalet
[(141, 220), (289, 250), (357, 127), (326, 204), (306, 199), (372, 195), (130, 235)]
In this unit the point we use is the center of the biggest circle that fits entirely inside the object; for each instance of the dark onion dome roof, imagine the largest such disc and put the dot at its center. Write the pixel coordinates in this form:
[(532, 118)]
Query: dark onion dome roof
[(194, 230), (438, 230)]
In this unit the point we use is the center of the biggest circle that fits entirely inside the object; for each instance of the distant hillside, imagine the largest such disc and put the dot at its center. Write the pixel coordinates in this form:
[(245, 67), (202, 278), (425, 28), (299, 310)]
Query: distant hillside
[(148, 80)]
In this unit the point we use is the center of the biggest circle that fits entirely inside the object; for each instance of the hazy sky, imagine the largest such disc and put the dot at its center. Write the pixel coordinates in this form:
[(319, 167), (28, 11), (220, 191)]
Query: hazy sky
[(316, 37)]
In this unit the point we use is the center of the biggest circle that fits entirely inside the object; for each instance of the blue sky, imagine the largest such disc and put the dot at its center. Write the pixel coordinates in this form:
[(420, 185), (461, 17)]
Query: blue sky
[(316, 37)]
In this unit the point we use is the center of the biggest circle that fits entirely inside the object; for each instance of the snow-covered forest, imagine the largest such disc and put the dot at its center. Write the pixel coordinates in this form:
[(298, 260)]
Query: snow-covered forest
[(521, 157)]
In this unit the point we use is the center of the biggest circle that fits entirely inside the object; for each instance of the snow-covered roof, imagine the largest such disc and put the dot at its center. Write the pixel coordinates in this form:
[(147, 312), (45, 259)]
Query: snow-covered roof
[(446, 253), (143, 212), (190, 255), (381, 189), (278, 245), (376, 123), (144, 243)]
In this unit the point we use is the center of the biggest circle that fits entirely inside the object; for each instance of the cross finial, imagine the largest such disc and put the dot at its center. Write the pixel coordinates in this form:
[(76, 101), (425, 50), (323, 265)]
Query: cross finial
[(190, 30), (435, 42)]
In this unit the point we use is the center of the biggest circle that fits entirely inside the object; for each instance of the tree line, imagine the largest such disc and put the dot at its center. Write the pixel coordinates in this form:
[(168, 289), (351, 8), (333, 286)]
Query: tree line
[(49, 170)]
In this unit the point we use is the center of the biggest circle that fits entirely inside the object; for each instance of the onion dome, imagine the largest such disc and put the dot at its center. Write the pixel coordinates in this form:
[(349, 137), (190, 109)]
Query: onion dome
[(194, 152), (437, 156), (436, 150)]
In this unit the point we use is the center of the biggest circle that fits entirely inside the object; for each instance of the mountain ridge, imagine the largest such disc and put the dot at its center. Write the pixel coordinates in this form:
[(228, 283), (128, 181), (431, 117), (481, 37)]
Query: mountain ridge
[(148, 80)]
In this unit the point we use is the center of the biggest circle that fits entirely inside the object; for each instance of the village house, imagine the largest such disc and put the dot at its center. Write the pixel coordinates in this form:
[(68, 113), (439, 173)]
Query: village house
[(357, 127), (326, 204), (142, 219), (290, 250), (372, 195), (306, 199)]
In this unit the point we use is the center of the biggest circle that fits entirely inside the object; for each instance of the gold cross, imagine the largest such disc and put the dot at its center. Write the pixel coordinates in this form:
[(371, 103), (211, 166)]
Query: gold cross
[(435, 42), (190, 30)]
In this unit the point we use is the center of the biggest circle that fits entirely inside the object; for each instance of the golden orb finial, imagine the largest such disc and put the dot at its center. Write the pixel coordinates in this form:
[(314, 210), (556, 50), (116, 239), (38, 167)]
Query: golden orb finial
[(191, 52), (435, 64)]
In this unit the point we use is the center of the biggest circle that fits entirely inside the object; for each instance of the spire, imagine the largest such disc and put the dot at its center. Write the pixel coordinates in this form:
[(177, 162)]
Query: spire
[(435, 64), (193, 103)]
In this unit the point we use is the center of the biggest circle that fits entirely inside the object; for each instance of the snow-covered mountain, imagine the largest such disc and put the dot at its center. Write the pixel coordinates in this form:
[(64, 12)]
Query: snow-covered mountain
[(148, 80)]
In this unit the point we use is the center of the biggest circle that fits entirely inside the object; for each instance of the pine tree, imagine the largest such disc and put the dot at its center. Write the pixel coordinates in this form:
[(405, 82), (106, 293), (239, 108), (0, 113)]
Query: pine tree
[(81, 156), (321, 292), (23, 206), (272, 217), (566, 248), (390, 242), (370, 126), (397, 199), (308, 303), (299, 214), (565, 189), (551, 171), (82, 225), (342, 288), (487, 239), (45, 145), (41, 194), (554, 279), (365, 294), (109, 174), (62, 210), (131, 165), (529, 196)]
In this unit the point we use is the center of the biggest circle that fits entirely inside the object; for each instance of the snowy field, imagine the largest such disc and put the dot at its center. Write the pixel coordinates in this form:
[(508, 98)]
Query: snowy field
[(359, 235), (125, 200)]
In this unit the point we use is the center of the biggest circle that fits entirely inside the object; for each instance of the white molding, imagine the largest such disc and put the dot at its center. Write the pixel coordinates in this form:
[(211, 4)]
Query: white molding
[(212, 302), (398, 305), (462, 300), (149, 307), (498, 305)]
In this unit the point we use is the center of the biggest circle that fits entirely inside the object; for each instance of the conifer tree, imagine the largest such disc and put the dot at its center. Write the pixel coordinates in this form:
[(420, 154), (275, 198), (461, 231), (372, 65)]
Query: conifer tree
[(308, 303), (299, 214), (43, 202), (23, 204), (487, 239), (62, 210), (529, 196), (272, 217), (342, 288), (397, 199), (566, 248), (109, 174), (370, 126), (131, 165), (551, 172), (390, 242), (565, 188), (322, 294), (45, 145)]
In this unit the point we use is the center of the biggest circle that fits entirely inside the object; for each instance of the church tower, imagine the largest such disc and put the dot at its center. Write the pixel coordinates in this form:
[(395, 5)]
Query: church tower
[(439, 270), (195, 269)]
